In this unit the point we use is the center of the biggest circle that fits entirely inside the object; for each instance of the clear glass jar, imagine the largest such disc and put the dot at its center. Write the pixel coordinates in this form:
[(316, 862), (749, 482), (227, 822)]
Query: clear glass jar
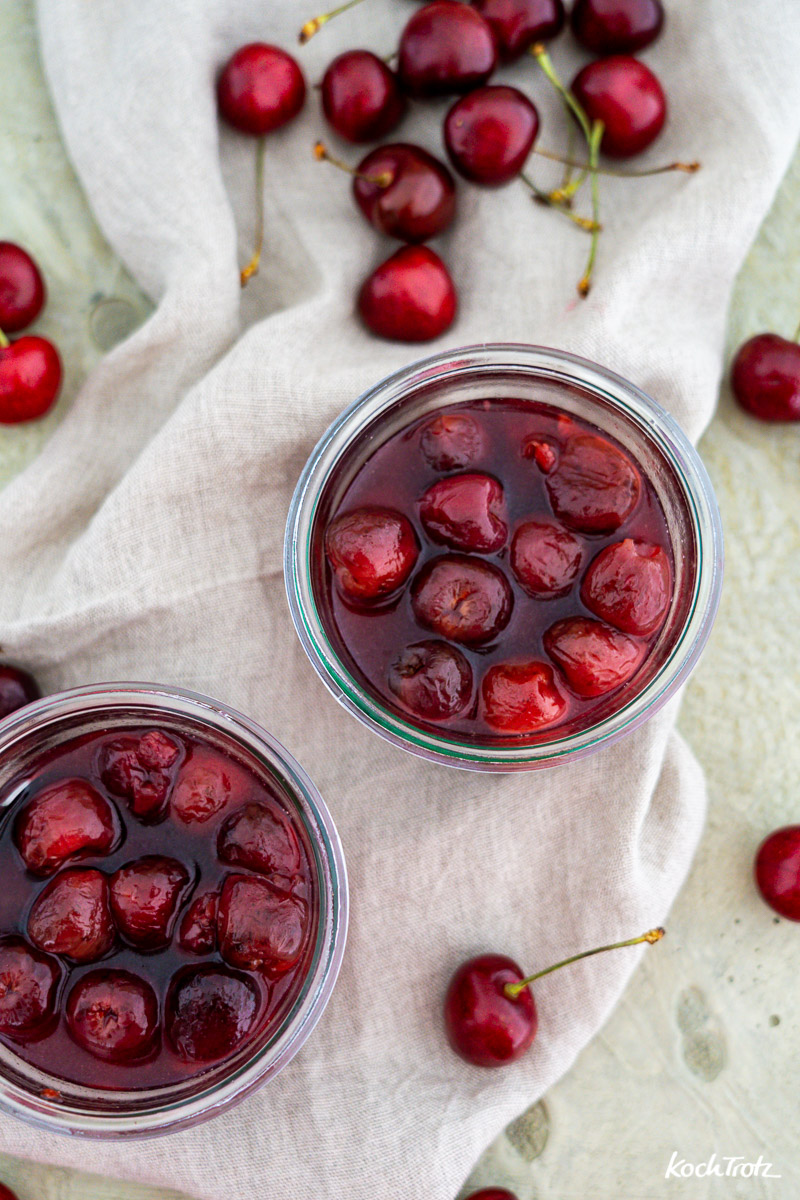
[(54, 1103), (650, 435)]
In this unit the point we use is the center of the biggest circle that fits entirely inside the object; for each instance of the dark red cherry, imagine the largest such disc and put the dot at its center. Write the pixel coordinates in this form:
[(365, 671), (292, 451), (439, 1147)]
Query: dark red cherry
[(258, 927), (462, 598), (616, 26), (30, 378), (17, 688), (260, 88), (517, 24), (6, 1193), (157, 751), (203, 788), (594, 486), (67, 818), (405, 192), (447, 47), (198, 931), (210, 1012), (467, 512), (360, 97), (22, 292), (138, 770), (72, 916), (28, 985), (432, 680), (546, 558), (777, 871), (629, 585), (145, 898), (372, 552), (626, 96), (260, 837), (485, 1026), (765, 378), (452, 441), (410, 297), (492, 1193), (594, 657), (113, 1014), (489, 134), (521, 697)]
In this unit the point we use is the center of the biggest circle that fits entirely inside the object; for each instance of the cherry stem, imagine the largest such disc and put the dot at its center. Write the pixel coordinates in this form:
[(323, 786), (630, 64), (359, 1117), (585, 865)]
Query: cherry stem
[(313, 26), (251, 269), (4, 342), (545, 62), (512, 990), (689, 167), (585, 283), (547, 199), (322, 154)]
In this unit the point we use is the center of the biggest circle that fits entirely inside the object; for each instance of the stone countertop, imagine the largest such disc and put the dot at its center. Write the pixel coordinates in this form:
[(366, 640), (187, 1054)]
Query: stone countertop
[(699, 1057)]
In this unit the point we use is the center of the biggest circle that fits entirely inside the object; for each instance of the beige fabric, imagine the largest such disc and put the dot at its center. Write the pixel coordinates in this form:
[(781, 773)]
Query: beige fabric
[(146, 543)]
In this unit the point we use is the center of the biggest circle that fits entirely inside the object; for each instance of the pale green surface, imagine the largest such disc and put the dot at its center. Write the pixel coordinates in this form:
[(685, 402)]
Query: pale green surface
[(693, 1059)]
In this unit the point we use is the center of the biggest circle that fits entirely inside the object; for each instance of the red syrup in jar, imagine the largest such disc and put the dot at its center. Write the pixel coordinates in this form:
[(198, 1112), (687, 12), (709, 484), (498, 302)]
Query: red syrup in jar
[(498, 572), (158, 910)]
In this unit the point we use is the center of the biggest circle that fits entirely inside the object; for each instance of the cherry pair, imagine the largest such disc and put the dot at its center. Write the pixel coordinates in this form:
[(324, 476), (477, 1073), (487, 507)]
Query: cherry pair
[(30, 367)]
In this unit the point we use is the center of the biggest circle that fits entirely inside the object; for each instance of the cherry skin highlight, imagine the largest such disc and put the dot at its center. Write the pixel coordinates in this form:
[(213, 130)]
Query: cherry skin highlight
[(517, 24), (65, 819), (546, 558), (765, 378), (30, 379), (466, 512), (452, 441), (616, 26), (595, 486), (489, 134), (22, 290), (627, 97), (405, 192), (113, 1015), (521, 697), (432, 680), (410, 297), (629, 584), (28, 986), (17, 688), (259, 89), (72, 916), (593, 657), (372, 551), (485, 1026), (446, 48), (361, 98), (777, 871), (462, 598)]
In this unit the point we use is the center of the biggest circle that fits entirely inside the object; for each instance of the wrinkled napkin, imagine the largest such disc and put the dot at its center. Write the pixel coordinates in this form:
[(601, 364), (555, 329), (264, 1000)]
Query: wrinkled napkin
[(145, 542)]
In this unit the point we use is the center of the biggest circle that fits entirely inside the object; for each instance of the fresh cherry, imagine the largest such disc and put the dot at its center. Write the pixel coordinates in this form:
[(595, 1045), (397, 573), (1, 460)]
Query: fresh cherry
[(360, 97), (260, 928), (489, 134), (447, 47), (6, 1193), (210, 1012), (595, 486), (22, 291), (17, 688), (626, 96), (616, 26), (113, 1014), (372, 551), (466, 512), (260, 88), (521, 697), (629, 584), (765, 377), (432, 680), (405, 192), (492, 1193), (777, 871), (67, 818), (517, 24), (452, 441), (71, 916), (28, 985), (30, 378), (260, 838), (462, 598), (410, 297), (145, 898), (594, 658), (138, 770), (545, 557), (203, 788), (198, 931)]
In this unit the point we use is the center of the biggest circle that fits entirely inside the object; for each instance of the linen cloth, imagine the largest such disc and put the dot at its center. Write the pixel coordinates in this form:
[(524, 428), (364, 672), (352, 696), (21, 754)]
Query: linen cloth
[(145, 542)]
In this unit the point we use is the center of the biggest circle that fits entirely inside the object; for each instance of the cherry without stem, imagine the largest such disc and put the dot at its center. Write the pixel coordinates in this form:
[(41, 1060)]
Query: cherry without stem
[(361, 98), (22, 291), (765, 377), (627, 98), (489, 134), (446, 48), (410, 297), (492, 1193), (371, 551), (777, 871), (6, 1193), (30, 378), (616, 26), (517, 24), (17, 688)]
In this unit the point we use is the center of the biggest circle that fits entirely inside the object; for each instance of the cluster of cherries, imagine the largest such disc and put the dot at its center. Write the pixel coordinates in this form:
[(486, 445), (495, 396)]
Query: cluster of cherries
[(30, 367)]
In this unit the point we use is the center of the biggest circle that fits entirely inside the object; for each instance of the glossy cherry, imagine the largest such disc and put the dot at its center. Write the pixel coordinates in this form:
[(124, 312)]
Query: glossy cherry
[(627, 97), (447, 47), (204, 787), (22, 291), (210, 1011), (489, 134), (593, 657), (616, 26), (66, 818), (72, 916), (629, 585), (410, 297), (492, 1193), (405, 192), (260, 88), (371, 551), (777, 871), (517, 24), (259, 837), (594, 486), (432, 680), (113, 1014), (6, 1193), (30, 378), (28, 986), (521, 697), (545, 557), (765, 377), (466, 512), (260, 928), (17, 688), (198, 931), (141, 771), (361, 98), (452, 441), (462, 599), (145, 898)]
